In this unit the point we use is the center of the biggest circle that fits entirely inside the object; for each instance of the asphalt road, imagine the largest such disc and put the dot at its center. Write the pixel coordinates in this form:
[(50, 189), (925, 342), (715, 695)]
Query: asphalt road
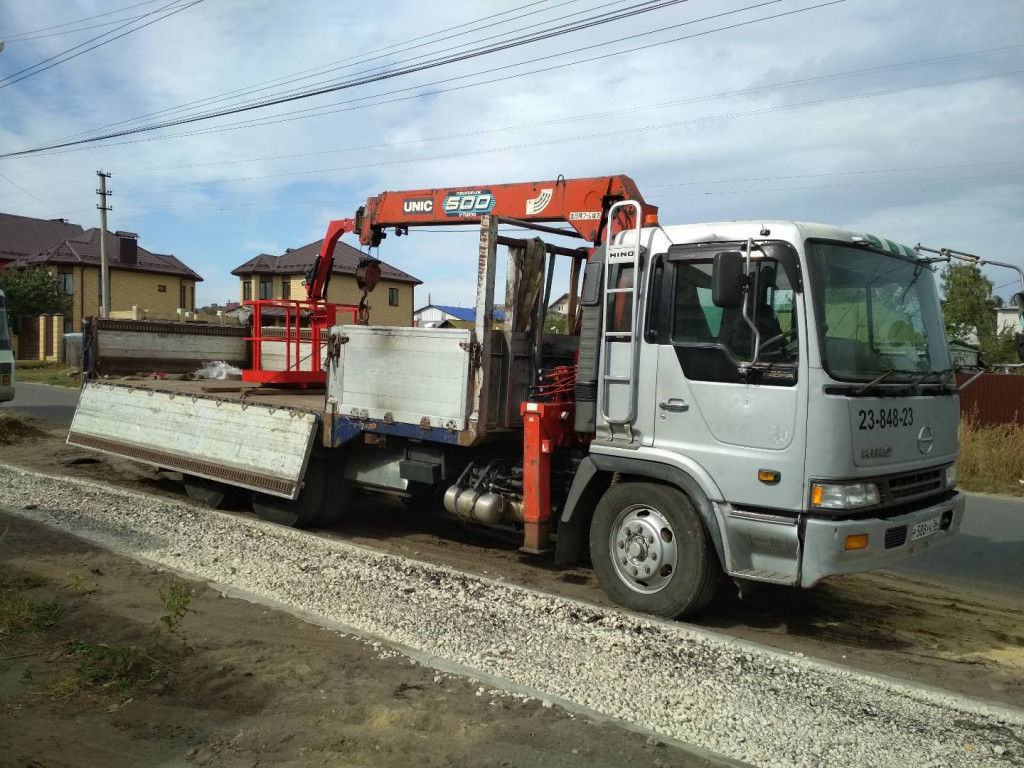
[(46, 402), (989, 550)]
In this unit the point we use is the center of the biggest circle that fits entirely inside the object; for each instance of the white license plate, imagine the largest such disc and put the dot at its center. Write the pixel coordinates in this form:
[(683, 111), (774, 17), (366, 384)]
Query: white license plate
[(927, 528)]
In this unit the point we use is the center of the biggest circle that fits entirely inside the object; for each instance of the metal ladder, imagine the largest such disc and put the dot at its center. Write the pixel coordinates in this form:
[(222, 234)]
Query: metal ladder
[(627, 253)]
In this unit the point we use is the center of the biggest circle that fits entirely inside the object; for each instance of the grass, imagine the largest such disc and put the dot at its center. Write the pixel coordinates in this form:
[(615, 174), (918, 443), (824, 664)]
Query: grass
[(40, 372), (991, 457)]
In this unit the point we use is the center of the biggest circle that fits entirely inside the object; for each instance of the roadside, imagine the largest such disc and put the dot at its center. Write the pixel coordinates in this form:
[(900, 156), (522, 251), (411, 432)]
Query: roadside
[(117, 664), (40, 372), (951, 635)]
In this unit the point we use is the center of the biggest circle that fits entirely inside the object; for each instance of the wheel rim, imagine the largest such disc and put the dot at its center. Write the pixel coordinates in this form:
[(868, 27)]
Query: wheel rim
[(643, 549)]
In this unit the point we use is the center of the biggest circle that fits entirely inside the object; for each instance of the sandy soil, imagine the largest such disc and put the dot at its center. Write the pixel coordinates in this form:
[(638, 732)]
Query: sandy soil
[(245, 686), (949, 635)]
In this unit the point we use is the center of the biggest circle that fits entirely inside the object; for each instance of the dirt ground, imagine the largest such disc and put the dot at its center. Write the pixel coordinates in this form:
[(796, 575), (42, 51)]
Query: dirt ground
[(237, 684), (949, 635)]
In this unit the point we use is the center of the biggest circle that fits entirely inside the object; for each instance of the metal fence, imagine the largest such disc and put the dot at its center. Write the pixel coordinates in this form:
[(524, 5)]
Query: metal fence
[(995, 398)]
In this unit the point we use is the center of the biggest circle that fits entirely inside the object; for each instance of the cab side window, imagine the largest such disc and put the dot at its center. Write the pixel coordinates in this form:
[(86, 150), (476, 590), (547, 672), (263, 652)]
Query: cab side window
[(696, 320)]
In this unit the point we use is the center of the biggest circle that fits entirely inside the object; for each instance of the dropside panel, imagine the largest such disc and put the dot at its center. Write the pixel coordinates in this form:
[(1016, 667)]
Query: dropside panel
[(244, 444), (416, 376)]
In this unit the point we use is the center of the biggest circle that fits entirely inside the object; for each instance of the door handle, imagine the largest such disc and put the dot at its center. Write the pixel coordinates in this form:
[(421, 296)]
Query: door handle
[(674, 404)]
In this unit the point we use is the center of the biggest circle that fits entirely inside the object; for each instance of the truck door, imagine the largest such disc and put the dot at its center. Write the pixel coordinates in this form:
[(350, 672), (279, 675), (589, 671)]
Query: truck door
[(734, 425)]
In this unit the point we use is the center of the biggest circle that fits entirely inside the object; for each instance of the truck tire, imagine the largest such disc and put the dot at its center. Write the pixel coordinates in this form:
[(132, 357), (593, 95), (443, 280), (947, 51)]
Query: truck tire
[(302, 512), (651, 552), (210, 493), (337, 496)]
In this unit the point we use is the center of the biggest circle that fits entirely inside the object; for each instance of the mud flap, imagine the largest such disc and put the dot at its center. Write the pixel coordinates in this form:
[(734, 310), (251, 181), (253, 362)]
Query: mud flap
[(243, 444)]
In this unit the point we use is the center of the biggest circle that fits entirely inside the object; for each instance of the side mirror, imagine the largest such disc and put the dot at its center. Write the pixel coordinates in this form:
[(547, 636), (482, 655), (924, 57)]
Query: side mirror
[(1018, 301), (1018, 344), (727, 280)]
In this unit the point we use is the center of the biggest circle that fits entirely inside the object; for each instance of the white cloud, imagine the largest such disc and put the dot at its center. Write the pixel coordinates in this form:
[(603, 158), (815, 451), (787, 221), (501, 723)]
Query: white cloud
[(163, 190)]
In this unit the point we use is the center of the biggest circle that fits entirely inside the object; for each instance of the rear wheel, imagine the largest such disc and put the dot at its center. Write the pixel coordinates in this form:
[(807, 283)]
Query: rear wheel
[(211, 493), (651, 551), (322, 501)]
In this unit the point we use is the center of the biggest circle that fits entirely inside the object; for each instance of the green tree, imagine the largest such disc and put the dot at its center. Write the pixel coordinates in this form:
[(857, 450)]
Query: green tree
[(32, 291), (969, 308)]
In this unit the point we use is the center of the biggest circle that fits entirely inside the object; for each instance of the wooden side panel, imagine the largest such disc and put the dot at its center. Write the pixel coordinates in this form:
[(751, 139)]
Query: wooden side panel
[(403, 374), (244, 444)]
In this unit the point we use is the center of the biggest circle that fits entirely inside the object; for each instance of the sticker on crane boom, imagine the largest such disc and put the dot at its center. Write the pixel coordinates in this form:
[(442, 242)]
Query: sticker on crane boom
[(584, 215), (469, 203), (540, 202), (418, 205)]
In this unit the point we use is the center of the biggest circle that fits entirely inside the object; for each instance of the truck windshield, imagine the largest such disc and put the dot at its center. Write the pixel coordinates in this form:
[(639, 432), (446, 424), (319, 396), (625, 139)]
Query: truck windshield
[(877, 313), (5, 336)]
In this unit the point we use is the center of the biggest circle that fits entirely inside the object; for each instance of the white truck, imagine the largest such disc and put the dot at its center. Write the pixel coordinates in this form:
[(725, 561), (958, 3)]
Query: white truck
[(764, 400), (6, 354)]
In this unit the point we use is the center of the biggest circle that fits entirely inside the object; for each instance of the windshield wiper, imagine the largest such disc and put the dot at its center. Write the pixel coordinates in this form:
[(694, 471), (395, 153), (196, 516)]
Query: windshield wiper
[(921, 379), (885, 375)]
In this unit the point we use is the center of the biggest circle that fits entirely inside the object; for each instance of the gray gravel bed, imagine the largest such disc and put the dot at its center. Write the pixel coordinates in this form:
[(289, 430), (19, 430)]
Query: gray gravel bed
[(735, 699)]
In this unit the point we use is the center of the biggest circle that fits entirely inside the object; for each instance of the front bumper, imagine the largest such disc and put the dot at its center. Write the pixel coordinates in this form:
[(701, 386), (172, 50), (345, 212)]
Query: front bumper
[(824, 540)]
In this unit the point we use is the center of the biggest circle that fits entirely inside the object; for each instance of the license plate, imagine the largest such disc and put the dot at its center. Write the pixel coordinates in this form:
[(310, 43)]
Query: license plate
[(927, 528)]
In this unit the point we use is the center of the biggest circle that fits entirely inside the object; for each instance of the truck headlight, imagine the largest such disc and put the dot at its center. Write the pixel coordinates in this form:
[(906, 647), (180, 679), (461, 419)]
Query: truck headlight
[(843, 495), (951, 476)]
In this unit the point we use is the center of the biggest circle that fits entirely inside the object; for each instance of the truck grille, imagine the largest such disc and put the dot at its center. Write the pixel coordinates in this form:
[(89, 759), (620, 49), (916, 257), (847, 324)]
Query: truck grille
[(914, 484), (6, 368), (896, 537)]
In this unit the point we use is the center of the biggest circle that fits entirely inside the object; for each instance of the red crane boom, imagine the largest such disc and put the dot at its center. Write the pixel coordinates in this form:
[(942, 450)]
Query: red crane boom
[(582, 203)]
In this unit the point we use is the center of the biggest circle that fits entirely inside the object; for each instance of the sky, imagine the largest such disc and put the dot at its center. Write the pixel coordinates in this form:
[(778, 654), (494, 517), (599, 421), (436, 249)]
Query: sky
[(903, 119)]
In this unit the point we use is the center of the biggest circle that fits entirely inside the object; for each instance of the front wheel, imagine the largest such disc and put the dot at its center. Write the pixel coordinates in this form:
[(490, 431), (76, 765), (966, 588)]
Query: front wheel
[(651, 551)]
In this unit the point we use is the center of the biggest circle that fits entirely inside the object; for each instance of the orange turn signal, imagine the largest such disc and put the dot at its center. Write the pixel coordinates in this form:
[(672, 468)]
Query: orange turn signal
[(857, 541), (769, 476)]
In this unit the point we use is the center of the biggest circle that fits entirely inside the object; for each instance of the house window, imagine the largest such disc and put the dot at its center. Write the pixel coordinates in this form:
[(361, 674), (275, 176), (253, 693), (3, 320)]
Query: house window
[(266, 289), (286, 289), (192, 298), (246, 291), (392, 297), (161, 289), (66, 282), (181, 296)]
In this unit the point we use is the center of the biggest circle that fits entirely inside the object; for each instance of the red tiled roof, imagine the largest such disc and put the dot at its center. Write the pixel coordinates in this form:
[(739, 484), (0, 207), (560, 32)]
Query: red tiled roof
[(84, 250), (299, 260)]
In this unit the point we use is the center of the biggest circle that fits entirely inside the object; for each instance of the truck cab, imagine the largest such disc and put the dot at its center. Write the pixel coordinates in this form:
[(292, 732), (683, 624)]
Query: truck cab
[(6, 354), (792, 381)]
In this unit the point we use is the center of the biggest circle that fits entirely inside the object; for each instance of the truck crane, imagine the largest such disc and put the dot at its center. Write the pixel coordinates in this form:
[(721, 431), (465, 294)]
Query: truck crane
[(759, 400)]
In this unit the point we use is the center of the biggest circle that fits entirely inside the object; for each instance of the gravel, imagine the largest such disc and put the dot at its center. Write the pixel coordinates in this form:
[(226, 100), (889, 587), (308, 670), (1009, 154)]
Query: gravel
[(734, 699)]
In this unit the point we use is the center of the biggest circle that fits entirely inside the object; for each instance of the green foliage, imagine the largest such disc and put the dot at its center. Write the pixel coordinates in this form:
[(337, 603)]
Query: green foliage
[(114, 666), (970, 308), (555, 323), (176, 597), (32, 291), (20, 614)]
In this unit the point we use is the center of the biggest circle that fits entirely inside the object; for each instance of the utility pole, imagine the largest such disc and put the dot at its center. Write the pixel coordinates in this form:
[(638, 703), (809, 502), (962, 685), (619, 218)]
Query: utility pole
[(104, 269)]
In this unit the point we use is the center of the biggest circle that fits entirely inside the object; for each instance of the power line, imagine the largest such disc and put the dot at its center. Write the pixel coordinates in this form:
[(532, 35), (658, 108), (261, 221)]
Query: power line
[(16, 184), (584, 24), (73, 31), (585, 117), (352, 61), (16, 35), (422, 58), (422, 94), (12, 79), (603, 134)]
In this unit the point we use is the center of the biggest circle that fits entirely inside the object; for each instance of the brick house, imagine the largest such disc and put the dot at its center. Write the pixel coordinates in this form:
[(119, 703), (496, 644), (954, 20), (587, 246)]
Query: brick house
[(155, 284), (280, 277)]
